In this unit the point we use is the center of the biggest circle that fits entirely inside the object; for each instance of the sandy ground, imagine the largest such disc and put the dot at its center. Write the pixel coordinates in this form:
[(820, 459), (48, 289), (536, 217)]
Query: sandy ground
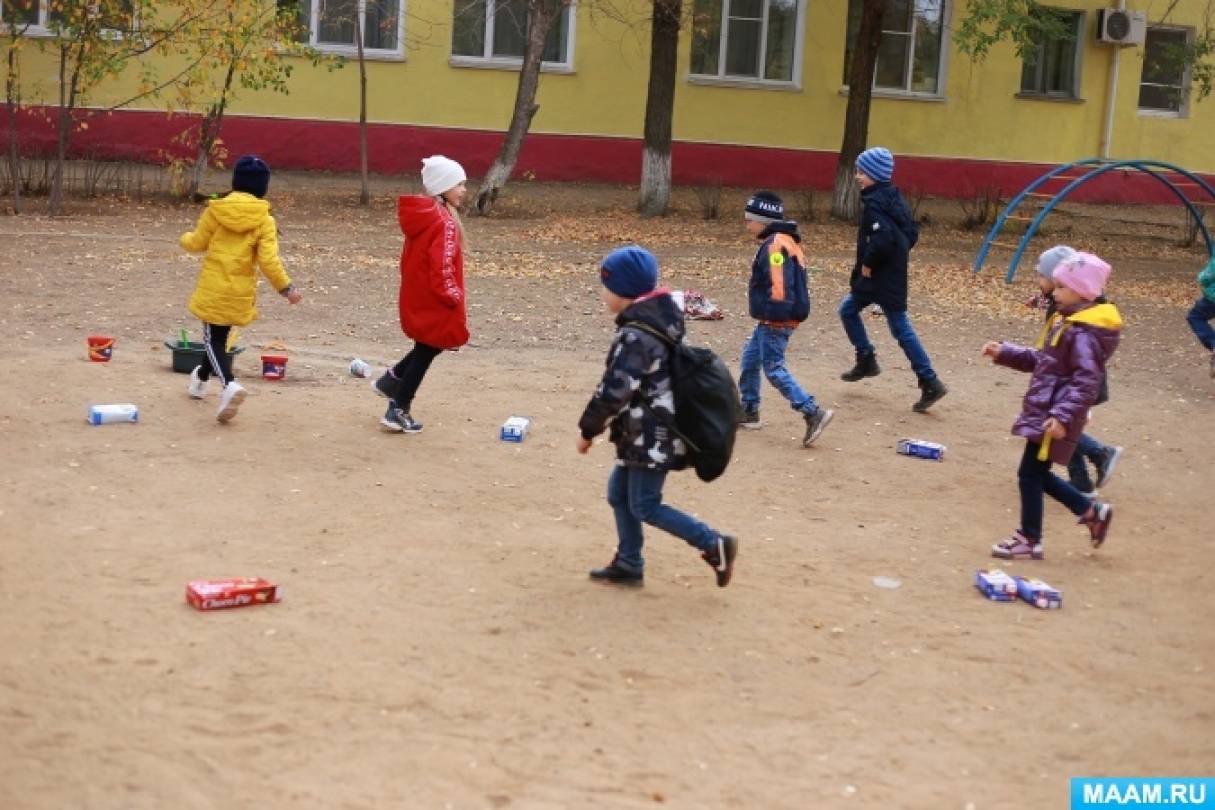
[(438, 644)]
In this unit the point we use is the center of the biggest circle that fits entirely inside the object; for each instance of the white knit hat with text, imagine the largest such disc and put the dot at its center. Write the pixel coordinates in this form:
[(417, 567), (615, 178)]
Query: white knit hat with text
[(440, 174)]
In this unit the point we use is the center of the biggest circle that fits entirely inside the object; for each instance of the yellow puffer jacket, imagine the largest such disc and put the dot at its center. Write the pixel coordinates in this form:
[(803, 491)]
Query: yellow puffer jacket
[(236, 231)]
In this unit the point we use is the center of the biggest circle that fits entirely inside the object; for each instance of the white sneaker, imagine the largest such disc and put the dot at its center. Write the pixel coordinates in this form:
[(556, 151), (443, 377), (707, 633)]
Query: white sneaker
[(198, 386), (229, 401)]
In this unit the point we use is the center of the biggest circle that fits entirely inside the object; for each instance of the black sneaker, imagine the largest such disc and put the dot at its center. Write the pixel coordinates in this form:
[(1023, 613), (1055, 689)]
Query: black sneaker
[(931, 392), (1106, 462), (618, 572), (866, 366), (385, 385), (750, 419), (815, 422), (721, 558), (397, 420)]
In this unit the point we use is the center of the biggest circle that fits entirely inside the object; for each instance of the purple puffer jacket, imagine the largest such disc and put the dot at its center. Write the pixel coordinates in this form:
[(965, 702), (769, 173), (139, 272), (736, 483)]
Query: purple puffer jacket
[(1067, 373)]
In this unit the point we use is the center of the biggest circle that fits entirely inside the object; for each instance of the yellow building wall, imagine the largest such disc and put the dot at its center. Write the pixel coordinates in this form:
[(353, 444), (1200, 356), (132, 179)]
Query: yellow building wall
[(980, 116)]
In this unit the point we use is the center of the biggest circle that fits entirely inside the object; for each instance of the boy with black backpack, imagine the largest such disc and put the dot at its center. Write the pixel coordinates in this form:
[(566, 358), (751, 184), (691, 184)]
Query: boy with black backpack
[(636, 400), (779, 298)]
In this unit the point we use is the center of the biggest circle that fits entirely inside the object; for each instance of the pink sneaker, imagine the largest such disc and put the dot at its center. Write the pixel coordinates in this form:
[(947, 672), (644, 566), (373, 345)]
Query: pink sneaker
[(1098, 519), (1018, 547)]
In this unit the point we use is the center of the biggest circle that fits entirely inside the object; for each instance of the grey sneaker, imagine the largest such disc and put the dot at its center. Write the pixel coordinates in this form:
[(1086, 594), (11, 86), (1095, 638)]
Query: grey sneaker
[(750, 419), (398, 420), (816, 421), (384, 385), (1106, 463)]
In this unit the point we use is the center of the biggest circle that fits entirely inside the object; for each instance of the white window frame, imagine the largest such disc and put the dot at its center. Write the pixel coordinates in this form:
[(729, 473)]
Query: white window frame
[(1077, 62), (942, 61), (396, 54), (758, 82), (42, 29), (1184, 110), (489, 61)]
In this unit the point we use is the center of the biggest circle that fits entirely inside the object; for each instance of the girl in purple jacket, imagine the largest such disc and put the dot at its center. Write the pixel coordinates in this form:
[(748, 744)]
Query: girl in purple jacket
[(1067, 372)]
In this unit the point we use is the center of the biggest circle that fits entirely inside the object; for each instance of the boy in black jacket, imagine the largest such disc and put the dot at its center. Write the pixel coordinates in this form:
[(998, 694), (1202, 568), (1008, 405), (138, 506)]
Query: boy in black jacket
[(635, 399), (779, 298), (885, 238)]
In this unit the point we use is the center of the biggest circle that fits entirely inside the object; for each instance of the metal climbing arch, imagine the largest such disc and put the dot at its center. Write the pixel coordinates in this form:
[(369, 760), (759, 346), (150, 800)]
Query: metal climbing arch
[(1089, 169)]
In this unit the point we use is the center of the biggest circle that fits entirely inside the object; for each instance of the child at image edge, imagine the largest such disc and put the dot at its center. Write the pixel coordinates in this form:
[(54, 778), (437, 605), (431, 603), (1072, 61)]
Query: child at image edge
[(778, 297), (1200, 315), (635, 400), (1067, 371), (237, 232)]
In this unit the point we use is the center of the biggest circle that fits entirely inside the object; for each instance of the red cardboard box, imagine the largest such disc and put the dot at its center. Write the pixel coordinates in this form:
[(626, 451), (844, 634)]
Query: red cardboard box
[(215, 594)]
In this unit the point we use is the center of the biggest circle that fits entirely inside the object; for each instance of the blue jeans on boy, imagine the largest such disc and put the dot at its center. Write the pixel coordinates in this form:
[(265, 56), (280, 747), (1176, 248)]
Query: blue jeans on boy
[(1087, 449), (1200, 321), (766, 350), (1035, 478), (900, 327), (635, 495)]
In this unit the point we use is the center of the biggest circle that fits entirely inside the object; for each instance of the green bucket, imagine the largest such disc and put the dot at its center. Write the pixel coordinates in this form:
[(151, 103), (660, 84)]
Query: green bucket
[(186, 357)]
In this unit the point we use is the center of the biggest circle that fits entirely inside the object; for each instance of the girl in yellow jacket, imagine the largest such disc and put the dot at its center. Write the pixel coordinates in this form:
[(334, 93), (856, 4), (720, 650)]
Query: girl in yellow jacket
[(237, 232)]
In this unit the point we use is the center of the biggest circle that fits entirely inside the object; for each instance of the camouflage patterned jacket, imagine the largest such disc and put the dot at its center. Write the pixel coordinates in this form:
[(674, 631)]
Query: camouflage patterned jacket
[(634, 397)]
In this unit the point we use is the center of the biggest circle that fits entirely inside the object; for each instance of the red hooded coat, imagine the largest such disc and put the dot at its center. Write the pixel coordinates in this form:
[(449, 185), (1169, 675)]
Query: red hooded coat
[(432, 274)]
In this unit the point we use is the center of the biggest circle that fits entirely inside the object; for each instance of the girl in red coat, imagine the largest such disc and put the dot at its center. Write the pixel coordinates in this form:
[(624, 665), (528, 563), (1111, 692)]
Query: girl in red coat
[(432, 286)]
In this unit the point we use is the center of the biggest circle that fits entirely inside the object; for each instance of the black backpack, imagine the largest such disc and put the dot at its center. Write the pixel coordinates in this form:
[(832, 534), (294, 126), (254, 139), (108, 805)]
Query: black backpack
[(707, 405)]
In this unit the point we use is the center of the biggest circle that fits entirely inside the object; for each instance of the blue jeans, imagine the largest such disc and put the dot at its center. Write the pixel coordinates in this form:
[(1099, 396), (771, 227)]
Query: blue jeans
[(766, 350), (635, 495), (1199, 320), (1087, 449), (1034, 478), (900, 327)]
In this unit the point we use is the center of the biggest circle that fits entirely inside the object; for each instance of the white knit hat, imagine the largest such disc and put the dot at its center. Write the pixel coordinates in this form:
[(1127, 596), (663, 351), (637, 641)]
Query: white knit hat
[(440, 174)]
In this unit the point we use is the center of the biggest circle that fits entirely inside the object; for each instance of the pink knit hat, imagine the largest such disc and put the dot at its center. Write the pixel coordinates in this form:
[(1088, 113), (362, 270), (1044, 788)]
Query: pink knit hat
[(1084, 274)]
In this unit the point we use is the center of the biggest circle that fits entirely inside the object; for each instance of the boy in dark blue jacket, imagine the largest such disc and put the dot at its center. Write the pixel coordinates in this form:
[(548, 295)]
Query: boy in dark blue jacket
[(779, 298), (885, 239)]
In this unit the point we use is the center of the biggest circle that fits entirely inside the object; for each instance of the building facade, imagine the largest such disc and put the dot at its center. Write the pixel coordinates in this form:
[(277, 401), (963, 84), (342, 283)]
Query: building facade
[(760, 96)]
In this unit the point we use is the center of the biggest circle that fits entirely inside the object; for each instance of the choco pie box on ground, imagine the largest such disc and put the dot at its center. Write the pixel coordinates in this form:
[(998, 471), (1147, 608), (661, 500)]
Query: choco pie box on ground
[(217, 594)]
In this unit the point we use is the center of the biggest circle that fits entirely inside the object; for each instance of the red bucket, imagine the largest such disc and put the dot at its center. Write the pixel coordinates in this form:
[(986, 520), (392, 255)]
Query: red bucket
[(100, 348), (274, 366)]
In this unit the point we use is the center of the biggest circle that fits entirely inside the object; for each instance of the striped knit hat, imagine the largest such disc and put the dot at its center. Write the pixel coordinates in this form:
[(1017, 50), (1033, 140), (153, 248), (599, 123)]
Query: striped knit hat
[(878, 163)]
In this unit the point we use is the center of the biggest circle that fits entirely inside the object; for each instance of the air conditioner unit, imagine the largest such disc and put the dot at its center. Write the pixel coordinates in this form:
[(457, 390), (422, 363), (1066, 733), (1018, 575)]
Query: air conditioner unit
[(1117, 26)]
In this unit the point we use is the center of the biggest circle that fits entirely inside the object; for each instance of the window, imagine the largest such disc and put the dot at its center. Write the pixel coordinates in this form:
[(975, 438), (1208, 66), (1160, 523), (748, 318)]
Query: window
[(329, 25), (1052, 67), (909, 56), (497, 30), (43, 16), (759, 40), (1164, 86)]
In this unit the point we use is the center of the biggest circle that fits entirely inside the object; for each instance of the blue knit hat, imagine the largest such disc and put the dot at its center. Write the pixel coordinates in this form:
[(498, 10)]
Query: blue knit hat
[(878, 163), (251, 175), (630, 271), (1051, 259)]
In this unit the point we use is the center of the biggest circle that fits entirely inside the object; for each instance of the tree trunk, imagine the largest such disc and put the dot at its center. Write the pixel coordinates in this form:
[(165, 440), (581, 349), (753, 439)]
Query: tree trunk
[(540, 20), (846, 196), (208, 131), (55, 204), (12, 97), (364, 192), (655, 192)]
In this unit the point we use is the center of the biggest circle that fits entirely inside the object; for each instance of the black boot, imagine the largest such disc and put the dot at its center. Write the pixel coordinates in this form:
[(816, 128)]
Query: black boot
[(866, 366), (619, 572), (931, 390)]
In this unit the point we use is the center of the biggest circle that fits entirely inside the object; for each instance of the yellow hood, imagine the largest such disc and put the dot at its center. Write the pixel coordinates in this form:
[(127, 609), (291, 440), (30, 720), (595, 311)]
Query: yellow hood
[(240, 212), (1105, 316)]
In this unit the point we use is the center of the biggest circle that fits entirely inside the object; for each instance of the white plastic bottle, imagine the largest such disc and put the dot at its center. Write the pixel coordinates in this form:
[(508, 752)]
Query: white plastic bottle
[(107, 414)]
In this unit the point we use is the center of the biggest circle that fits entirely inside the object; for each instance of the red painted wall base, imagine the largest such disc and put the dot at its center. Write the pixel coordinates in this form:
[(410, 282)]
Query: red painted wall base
[(399, 148)]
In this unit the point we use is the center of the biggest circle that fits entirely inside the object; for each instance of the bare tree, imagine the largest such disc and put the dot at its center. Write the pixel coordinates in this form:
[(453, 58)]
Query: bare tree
[(655, 193), (18, 16), (845, 197), (541, 16)]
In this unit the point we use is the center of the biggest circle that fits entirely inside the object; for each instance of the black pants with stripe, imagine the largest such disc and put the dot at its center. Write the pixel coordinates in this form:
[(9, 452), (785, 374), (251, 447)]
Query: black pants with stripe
[(219, 362)]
